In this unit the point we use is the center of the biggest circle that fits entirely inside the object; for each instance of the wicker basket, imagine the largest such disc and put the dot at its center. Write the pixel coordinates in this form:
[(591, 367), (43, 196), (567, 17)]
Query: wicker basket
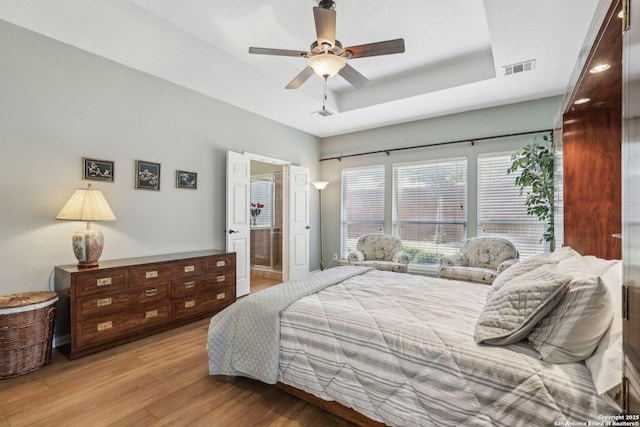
[(26, 332)]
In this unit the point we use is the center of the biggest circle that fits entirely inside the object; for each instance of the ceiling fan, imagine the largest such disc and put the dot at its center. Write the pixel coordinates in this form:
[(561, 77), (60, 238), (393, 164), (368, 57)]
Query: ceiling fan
[(326, 56)]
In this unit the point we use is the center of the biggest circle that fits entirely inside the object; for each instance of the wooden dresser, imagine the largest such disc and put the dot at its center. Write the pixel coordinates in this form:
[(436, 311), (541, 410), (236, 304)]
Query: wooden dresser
[(123, 300)]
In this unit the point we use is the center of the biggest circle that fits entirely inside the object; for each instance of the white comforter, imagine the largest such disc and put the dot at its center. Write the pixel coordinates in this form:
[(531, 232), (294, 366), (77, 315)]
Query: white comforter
[(399, 349)]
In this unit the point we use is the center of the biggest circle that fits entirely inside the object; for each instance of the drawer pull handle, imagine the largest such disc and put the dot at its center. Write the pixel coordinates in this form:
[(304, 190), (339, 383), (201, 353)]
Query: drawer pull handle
[(105, 325), (189, 304), (104, 302), (152, 313), (151, 274), (221, 295), (151, 292), (189, 268), (190, 285), (220, 263), (220, 279), (106, 281)]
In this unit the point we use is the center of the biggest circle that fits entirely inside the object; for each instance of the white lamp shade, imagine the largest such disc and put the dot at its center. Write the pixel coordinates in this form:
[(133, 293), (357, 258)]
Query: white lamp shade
[(326, 64), (320, 185), (87, 204)]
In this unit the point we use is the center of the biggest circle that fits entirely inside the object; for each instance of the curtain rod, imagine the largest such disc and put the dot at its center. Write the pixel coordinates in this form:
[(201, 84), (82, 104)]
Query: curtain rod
[(471, 140)]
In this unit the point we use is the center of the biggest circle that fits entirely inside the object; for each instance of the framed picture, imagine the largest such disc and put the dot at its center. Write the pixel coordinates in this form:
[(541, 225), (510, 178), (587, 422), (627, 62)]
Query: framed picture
[(147, 175), (97, 170), (186, 179)]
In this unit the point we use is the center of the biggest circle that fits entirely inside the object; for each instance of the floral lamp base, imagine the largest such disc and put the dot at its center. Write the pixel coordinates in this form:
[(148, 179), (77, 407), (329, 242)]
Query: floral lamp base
[(87, 247)]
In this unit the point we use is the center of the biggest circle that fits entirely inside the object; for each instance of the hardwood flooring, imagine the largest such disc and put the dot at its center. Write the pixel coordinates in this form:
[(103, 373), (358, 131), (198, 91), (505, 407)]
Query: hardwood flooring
[(257, 283), (156, 381)]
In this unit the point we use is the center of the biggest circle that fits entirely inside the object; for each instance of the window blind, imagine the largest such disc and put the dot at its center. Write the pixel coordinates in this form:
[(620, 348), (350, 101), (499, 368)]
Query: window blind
[(362, 204), (501, 208), (430, 208), (261, 192)]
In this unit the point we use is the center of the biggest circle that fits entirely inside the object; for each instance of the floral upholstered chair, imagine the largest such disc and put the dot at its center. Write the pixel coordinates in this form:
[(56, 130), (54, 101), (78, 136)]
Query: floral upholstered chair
[(381, 251), (481, 259)]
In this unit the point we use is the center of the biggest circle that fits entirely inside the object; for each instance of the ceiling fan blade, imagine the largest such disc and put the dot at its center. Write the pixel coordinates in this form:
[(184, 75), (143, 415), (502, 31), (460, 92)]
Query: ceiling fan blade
[(375, 49), (300, 78), (352, 76), (325, 25), (277, 52)]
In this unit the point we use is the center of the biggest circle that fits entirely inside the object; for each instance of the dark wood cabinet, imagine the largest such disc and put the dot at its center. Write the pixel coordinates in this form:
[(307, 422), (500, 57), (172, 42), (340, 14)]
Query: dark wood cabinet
[(590, 135), (123, 300), (631, 207)]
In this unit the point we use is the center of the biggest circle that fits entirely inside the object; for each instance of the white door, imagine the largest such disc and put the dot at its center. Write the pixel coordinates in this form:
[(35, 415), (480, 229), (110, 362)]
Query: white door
[(298, 215), (238, 228)]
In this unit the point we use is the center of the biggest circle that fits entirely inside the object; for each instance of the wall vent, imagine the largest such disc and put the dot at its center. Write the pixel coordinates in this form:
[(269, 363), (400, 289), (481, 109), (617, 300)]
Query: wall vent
[(520, 67), (324, 113)]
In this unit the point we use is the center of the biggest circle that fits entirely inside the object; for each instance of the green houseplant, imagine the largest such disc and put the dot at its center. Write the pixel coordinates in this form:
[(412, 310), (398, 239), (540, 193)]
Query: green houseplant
[(535, 162)]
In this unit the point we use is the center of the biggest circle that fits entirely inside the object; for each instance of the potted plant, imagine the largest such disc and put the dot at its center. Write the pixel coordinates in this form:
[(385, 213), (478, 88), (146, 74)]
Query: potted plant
[(535, 162)]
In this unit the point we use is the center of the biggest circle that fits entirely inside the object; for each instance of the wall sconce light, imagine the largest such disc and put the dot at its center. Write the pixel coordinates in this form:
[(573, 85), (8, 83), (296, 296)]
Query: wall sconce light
[(87, 204)]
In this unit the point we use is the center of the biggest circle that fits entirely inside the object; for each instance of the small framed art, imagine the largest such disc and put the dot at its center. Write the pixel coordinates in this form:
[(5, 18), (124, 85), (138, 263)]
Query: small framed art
[(186, 179), (97, 170), (147, 175)]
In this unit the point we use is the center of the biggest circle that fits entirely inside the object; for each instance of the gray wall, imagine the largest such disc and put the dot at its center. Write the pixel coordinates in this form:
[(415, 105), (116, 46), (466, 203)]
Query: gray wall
[(59, 104), (522, 117)]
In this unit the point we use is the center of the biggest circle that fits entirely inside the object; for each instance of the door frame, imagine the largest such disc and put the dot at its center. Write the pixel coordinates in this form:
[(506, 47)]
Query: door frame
[(286, 219)]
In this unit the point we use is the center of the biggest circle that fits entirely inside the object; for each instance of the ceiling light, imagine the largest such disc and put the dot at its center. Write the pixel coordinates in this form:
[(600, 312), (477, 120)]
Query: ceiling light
[(600, 68), (326, 64), (582, 101)]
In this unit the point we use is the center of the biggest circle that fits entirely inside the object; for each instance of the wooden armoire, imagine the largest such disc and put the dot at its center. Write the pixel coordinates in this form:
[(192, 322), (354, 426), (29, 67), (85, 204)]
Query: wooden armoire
[(589, 134), (631, 206), (598, 144)]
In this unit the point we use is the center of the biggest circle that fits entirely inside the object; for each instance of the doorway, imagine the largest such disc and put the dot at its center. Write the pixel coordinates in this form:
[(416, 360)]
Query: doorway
[(295, 217), (267, 204)]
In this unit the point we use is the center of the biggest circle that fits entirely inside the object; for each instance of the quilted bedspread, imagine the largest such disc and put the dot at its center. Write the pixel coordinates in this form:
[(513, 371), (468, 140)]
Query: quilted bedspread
[(399, 349), (244, 338)]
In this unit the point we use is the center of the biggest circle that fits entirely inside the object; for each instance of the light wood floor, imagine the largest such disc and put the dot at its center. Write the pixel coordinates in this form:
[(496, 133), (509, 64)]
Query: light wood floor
[(159, 380), (257, 283)]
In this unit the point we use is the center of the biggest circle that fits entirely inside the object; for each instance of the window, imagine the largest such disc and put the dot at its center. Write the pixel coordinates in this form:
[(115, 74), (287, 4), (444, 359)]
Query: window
[(362, 204), (430, 208), (261, 193), (501, 208)]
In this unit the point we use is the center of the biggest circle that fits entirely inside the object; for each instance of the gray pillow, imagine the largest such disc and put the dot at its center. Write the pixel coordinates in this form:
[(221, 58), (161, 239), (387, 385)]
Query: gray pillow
[(512, 310)]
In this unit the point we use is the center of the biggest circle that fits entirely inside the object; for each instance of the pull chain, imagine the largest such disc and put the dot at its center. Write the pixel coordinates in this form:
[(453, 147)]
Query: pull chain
[(324, 93)]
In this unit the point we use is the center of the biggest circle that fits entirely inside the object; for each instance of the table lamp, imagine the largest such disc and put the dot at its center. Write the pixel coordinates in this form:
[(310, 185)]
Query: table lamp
[(87, 204)]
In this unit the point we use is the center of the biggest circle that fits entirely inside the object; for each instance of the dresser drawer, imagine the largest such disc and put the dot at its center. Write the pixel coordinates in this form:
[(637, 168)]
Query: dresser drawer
[(220, 264), (105, 304), (182, 288), (100, 282), (117, 325), (202, 303), (154, 273)]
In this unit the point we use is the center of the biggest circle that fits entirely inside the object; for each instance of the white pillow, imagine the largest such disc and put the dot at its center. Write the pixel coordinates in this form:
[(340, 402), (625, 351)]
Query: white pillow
[(532, 263), (606, 362), (511, 311), (573, 329)]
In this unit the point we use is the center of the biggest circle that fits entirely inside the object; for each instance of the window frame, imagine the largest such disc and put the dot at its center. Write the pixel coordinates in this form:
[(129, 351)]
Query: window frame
[(344, 249), (464, 223)]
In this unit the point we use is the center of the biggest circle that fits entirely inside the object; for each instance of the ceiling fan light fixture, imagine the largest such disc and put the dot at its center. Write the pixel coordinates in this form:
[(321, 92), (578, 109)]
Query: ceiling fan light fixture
[(326, 64)]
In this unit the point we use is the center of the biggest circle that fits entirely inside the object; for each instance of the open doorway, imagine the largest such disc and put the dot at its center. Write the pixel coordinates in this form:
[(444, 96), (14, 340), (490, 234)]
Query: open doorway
[(266, 239), (295, 217)]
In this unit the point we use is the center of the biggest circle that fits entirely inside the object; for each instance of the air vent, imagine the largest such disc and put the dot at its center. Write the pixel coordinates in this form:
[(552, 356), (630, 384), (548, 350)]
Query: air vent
[(519, 67), (324, 113)]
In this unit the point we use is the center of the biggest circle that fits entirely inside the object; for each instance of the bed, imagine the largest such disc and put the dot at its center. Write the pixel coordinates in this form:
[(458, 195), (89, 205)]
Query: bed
[(411, 350)]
